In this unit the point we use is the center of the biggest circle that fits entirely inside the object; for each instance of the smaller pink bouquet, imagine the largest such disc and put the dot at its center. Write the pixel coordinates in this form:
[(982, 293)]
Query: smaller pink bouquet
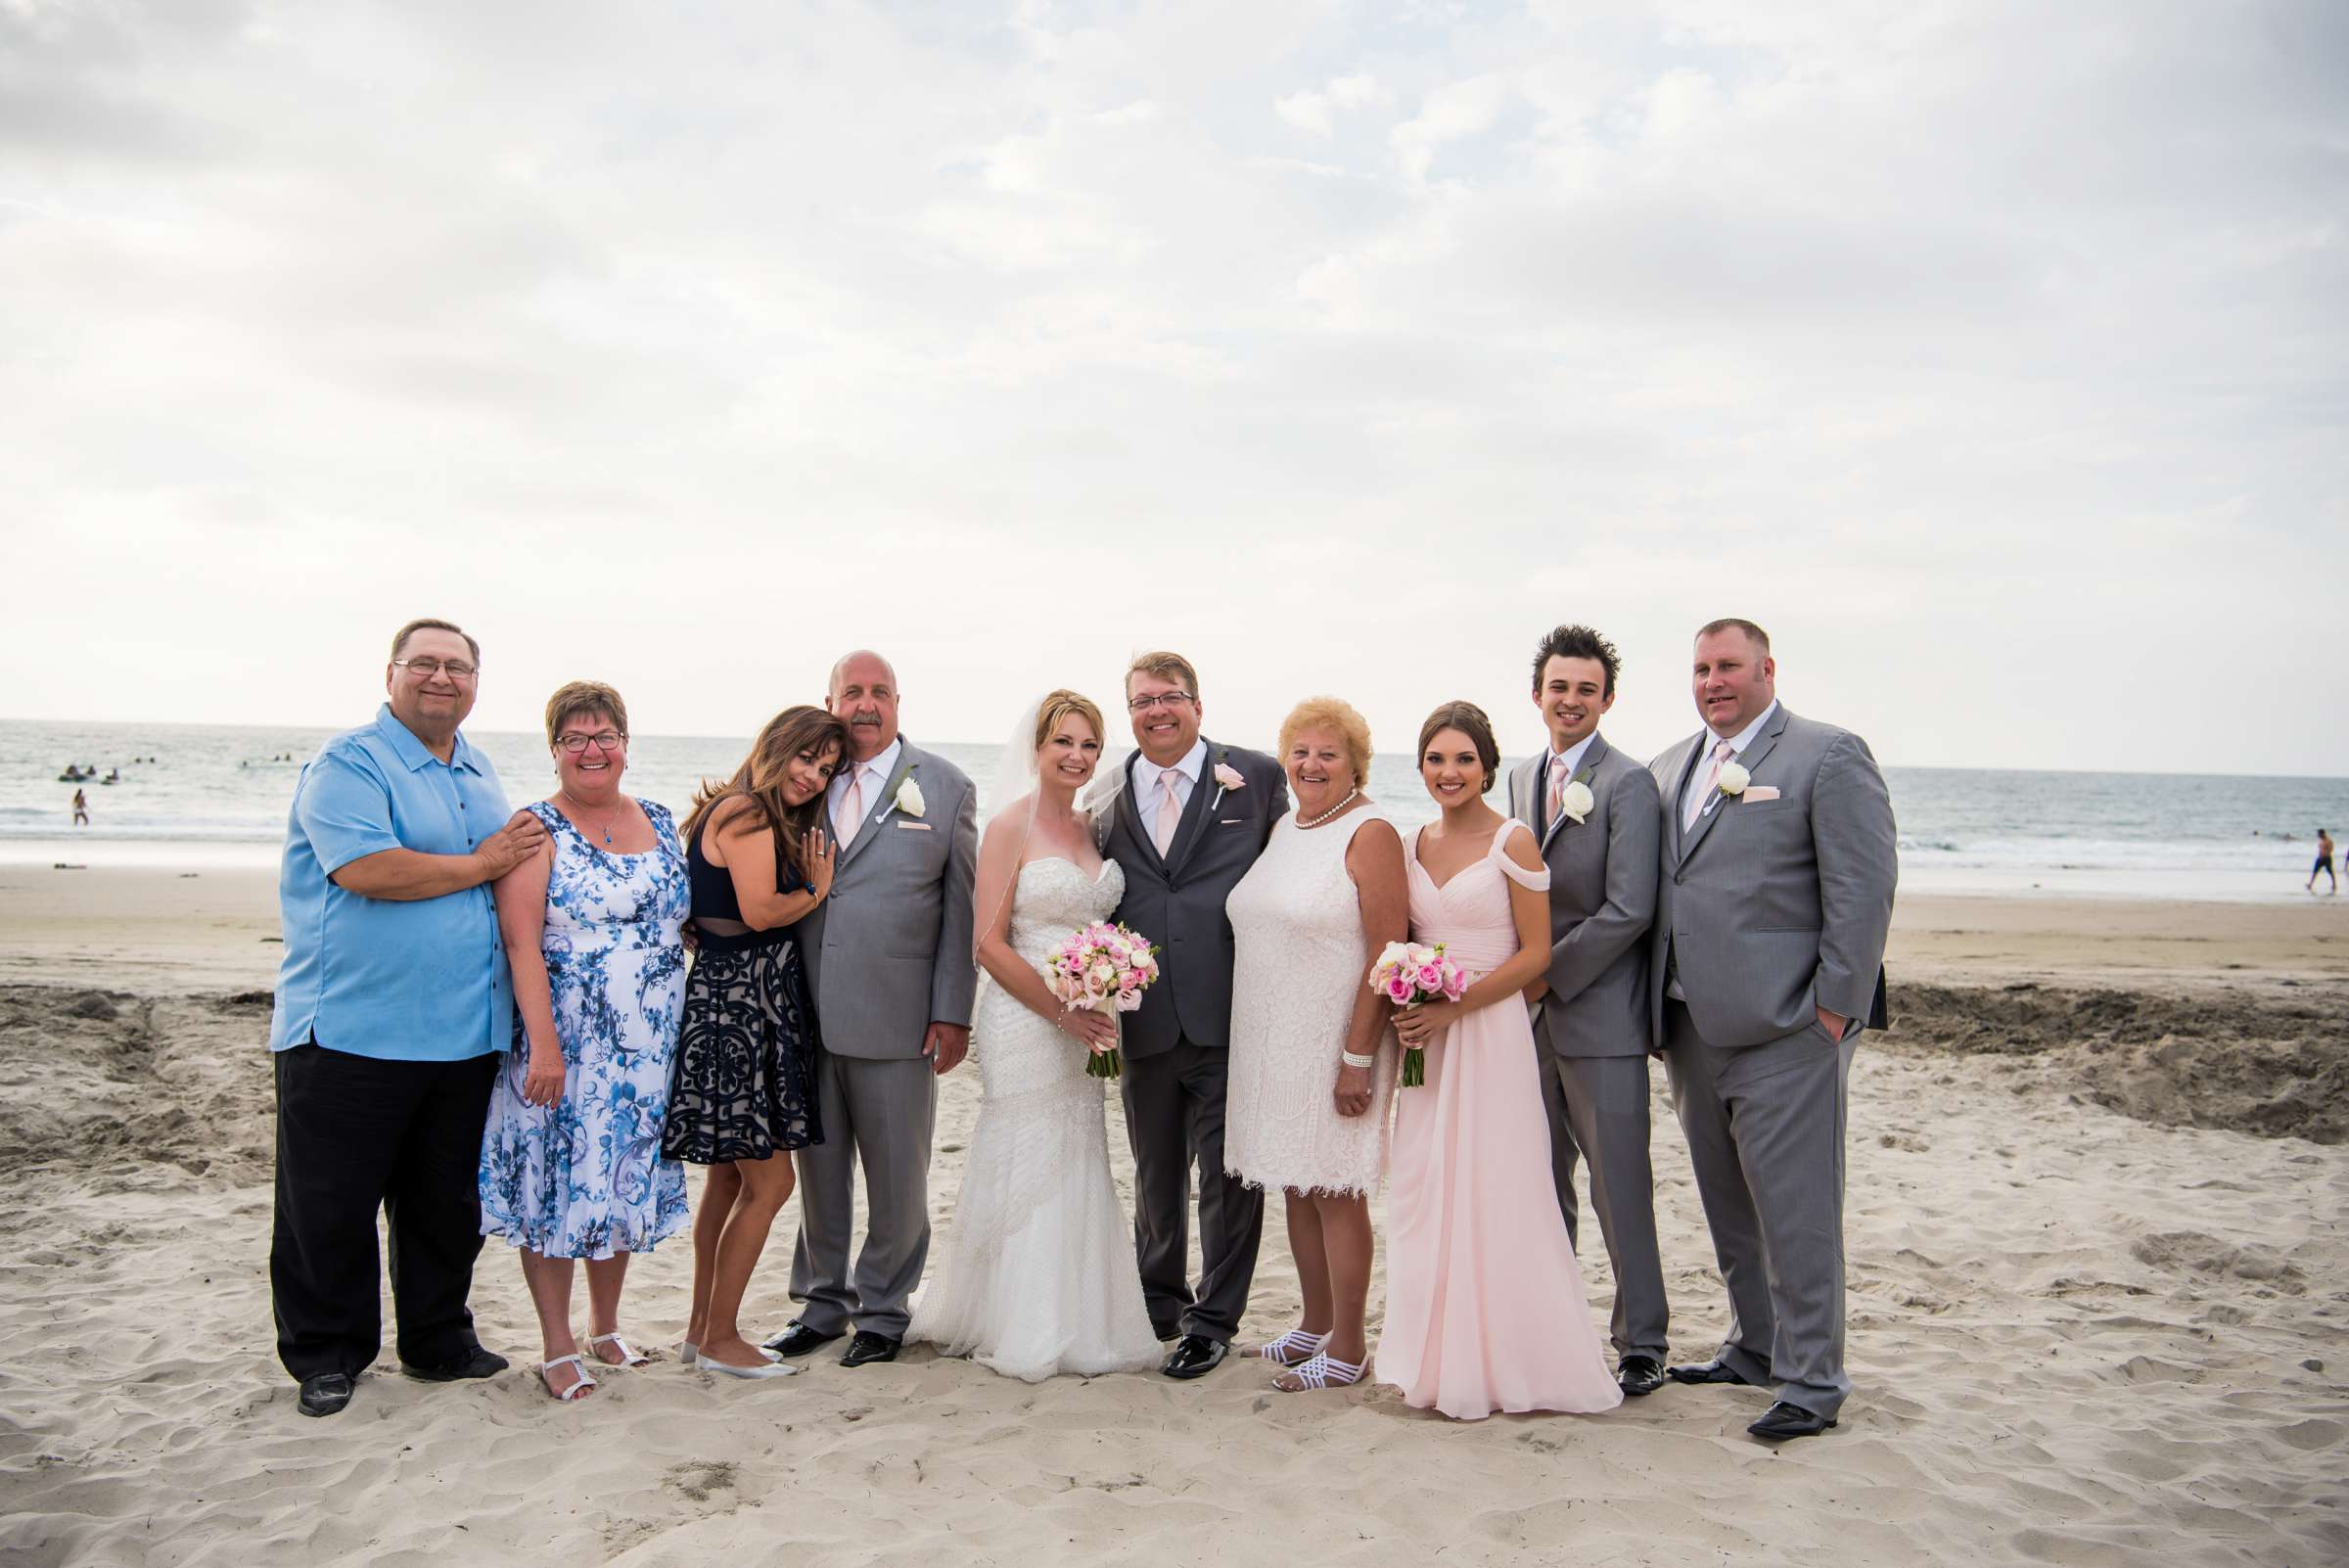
[(1102, 968), (1410, 974)]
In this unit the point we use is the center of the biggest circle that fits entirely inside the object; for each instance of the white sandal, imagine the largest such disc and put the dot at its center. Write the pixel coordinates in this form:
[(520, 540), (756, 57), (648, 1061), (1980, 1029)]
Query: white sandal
[(1322, 1372), (1292, 1349), (629, 1355), (578, 1390)]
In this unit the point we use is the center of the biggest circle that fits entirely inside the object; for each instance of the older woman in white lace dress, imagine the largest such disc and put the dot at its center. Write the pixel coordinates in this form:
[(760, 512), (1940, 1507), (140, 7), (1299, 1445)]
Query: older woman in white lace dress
[(1312, 1061)]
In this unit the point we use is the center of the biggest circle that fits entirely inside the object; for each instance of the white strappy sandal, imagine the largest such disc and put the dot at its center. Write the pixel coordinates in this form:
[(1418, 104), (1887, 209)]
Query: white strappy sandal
[(628, 1355), (1292, 1349), (578, 1390), (1322, 1372)]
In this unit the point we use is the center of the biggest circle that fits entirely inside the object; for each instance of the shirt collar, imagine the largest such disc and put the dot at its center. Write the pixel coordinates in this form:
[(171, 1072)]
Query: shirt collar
[(883, 763), (1745, 737), (412, 753), (1574, 754), (1192, 763)]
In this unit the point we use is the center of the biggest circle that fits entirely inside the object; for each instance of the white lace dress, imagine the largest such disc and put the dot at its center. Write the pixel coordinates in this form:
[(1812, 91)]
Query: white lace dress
[(1298, 958), (1040, 1276)]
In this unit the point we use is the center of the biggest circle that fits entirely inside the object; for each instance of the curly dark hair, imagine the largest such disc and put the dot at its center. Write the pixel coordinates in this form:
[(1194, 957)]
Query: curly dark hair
[(1470, 720), (1577, 642)]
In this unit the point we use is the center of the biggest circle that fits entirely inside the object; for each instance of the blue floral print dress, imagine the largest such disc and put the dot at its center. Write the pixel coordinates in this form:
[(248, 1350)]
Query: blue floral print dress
[(585, 1178)]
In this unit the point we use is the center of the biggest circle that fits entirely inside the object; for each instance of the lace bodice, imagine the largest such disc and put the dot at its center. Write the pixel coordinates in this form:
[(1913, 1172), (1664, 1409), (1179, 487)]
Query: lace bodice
[(1053, 897)]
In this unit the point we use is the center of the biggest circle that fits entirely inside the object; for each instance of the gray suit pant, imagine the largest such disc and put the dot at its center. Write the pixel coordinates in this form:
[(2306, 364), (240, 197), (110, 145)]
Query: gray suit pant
[(1175, 1116), (1599, 1111), (877, 1113), (1765, 1127)]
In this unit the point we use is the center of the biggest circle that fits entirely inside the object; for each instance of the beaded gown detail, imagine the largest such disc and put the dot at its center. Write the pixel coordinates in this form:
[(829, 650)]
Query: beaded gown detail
[(1040, 1276), (1485, 1307)]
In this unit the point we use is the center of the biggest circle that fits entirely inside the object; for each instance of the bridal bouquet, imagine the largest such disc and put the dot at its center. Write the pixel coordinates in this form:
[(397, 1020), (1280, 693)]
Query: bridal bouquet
[(1409, 973), (1102, 968)]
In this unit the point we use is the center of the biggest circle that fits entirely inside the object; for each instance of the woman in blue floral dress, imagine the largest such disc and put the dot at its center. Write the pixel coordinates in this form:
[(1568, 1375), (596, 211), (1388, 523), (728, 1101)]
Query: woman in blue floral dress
[(570, 1157)]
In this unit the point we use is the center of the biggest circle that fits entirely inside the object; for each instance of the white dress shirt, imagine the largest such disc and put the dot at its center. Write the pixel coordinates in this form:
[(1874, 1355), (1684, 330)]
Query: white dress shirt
[(1152, 783), (872, 778), (1549, 770), (1737, 745)]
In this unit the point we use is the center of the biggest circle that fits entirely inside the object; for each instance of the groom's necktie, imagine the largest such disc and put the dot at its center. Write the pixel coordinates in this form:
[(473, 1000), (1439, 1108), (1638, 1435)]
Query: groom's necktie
[(1170, 814), (1723, 751), (851, 816), (1558, 793)]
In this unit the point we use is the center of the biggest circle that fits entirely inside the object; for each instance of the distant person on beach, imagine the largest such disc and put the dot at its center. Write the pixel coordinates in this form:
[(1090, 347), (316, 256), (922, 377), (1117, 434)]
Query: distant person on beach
[(2323, 861), (81, 815), (393, 1007)]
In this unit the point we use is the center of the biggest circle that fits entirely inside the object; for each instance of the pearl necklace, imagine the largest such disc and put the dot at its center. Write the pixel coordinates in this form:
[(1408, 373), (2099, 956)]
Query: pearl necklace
[(1333, 810)]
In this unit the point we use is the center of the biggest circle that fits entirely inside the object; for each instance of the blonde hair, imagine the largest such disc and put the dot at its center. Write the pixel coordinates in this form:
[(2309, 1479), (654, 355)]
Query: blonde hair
[(1165, 665), (579, 697), (1058, 705), (1337, 716)]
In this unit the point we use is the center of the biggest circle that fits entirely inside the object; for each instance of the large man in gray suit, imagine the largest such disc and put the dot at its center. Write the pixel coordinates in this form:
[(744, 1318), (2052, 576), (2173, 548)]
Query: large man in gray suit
[(888, 956), (1185, 817), (1600, 824), (1779, 861)]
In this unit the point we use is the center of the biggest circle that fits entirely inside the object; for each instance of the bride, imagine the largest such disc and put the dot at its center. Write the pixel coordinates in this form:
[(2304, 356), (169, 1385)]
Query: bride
[(1039, 1277)]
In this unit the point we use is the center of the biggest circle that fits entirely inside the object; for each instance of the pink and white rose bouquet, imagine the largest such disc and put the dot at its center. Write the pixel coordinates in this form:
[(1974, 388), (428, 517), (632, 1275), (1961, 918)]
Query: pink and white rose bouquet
[(1102, 968), (1410, 974)]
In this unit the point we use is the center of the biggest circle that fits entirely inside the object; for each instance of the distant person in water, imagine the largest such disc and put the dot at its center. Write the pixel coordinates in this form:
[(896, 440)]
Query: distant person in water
[(2324, 862), (81, 818)]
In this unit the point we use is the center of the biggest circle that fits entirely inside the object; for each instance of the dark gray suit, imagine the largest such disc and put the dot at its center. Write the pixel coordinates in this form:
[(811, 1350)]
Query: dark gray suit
[(1176, 1045), (1769, 909), (1593, 1023), (889, 954)]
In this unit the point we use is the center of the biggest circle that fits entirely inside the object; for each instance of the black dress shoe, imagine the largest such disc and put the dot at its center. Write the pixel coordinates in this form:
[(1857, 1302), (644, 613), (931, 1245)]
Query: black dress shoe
[(1195, 1356), (1705, 1372), (482, 1362), (1783, 1420), (324, 1394), (1640, 1374), (870, 1346), (799, 1340)]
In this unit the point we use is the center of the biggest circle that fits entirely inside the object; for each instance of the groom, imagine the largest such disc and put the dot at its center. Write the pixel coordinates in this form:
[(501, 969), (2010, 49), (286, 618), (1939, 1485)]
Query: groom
[(1779, 861), (1186, 820)]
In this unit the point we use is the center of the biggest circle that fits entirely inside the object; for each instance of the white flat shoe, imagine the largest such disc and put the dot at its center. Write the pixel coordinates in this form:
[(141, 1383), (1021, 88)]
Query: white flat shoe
[(769, 1369), (689, 1353)]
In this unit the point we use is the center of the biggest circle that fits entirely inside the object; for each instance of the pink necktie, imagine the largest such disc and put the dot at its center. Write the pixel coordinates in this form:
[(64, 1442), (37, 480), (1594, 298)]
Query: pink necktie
[(1722, 752), (1169, 813), (1557, 791), (851, 816)]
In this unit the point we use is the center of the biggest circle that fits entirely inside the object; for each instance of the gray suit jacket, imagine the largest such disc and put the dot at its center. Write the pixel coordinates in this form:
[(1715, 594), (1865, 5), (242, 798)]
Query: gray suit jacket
[(1603, 901), (1771, 908), (1177, 900), (888, 952)]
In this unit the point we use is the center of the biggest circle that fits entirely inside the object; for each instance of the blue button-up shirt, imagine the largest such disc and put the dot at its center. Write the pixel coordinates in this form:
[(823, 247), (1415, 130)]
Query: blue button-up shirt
[(412, 980)]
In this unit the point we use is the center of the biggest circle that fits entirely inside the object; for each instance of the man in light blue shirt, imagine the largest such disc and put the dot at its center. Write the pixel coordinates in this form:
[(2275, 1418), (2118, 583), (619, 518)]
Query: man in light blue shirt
[(392, 1005)]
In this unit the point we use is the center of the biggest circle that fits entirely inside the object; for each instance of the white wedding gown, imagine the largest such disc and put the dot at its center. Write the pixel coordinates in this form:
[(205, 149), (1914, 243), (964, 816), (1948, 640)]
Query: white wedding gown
[(1040, 1276)]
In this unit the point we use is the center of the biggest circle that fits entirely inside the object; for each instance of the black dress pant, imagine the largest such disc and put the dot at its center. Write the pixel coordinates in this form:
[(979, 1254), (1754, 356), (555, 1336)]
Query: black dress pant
[(1174, 1118), (356, 1134)]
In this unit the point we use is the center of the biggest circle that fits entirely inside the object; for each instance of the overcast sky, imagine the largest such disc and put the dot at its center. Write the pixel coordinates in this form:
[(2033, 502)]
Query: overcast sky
[(1993, 356)]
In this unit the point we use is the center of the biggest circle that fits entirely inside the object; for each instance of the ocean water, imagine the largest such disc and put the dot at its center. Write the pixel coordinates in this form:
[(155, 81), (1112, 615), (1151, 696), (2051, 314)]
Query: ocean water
[(218, 795)]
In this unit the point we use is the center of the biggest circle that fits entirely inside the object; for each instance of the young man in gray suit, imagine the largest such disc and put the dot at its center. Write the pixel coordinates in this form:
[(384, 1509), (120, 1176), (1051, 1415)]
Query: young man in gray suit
[(1600, 826), (889, 957), (1186, 818), (1779, 861)]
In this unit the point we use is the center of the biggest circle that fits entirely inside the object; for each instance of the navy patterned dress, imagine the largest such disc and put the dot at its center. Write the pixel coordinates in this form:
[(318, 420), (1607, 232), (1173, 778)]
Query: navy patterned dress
[(585, 1178)]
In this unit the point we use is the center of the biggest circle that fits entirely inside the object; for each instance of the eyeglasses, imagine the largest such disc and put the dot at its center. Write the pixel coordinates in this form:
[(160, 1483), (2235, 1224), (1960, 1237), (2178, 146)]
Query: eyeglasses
[(603, 741), (1164, 699), (427, 668)]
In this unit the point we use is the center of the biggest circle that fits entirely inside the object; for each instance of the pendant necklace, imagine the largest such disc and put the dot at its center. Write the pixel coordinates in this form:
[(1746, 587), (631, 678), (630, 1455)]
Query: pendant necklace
[(1333, 810), (583, 811)]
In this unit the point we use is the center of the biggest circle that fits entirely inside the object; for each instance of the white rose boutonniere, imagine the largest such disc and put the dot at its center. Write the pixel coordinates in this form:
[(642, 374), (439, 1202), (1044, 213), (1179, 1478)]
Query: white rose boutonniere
[(1577, 802), (1734, 779), (1227, 777), (908, 798)]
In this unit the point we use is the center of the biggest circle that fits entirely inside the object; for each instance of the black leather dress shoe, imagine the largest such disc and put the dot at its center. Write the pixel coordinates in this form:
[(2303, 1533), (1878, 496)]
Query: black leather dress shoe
[(1783, 1420), (1640, 1374), (870, 1346), (324, 1394), (1705, 1372), (482, 1362), (799, 1340), (1195, 1356)]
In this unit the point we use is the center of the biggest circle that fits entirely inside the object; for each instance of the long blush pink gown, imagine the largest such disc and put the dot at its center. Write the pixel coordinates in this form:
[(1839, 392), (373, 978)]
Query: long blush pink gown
[(1484, 1308)]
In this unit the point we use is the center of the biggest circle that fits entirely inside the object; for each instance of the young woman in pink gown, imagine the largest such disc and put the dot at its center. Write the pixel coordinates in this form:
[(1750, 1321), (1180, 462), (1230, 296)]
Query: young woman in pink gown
[(1484, 1308)]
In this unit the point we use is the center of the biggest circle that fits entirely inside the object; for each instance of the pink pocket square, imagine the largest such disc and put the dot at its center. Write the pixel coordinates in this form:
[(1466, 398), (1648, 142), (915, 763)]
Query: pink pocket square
[(924, 828), (1760, 792)]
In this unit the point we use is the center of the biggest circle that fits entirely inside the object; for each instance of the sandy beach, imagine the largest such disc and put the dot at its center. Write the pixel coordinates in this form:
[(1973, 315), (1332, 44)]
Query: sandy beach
[(2100, 1312)]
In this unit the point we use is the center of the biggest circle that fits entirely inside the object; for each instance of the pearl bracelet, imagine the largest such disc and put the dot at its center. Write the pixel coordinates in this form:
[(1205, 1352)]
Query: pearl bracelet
[(1352, 1060)]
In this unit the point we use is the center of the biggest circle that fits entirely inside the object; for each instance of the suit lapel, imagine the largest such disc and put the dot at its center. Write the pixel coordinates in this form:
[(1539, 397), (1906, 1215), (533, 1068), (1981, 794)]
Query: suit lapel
[(1679, 787), (1190, 828), (1597, 754), (1749, 760), (873, 814)]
